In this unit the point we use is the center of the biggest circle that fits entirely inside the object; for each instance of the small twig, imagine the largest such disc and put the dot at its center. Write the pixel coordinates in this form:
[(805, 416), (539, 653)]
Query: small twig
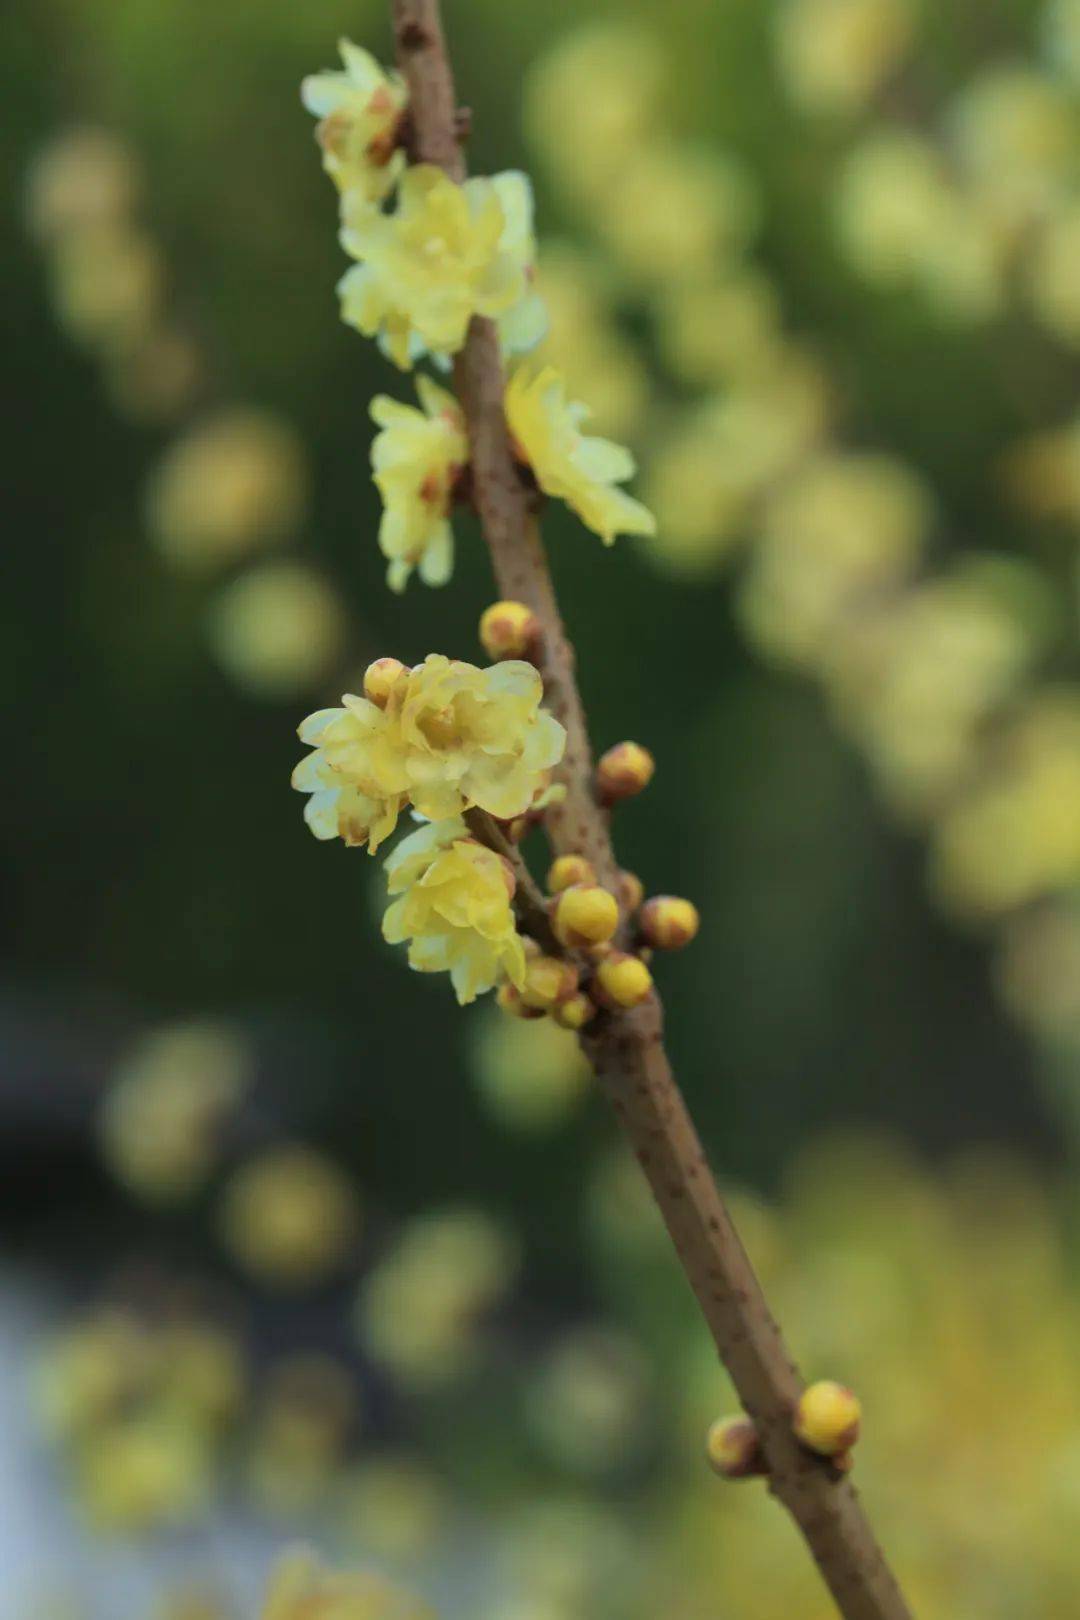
[(626, 1048)]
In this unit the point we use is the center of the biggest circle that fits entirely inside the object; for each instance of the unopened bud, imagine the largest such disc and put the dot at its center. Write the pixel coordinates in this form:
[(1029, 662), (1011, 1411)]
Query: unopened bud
[(623, 771), (733, 1449), (569, 869), (827, 1418), (631, 891), (668, 923), (585, 915), (623, 980), (380, 679), (575, 1012), (509, 630), (548, 980), (510, 1001)]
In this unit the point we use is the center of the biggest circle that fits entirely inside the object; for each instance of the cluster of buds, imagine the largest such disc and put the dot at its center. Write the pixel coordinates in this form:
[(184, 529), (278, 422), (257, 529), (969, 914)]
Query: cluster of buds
[(827, 1420)]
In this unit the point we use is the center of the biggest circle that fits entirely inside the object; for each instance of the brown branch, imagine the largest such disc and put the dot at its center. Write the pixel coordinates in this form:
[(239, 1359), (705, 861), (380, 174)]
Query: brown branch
[(626, 1048)]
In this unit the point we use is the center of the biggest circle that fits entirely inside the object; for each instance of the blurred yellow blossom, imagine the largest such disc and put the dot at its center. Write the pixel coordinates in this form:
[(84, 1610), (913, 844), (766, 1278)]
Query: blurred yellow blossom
[(675, 212), (585, 343), (450, 736), (530, 1075), (290, 1217), (82, 179), (893, 201), (107, 285), (453, 907), (139, 1473), (420, 1307), (359, 114), (235, 481), (163, 1116), (835, 54), (1043, 472), (416, 458), (844, 527), (914, 681), (1038, 968), (393, 1506), (158, 376), (447, 253), (1054, 275), (587, 1402), (1016, 132), (301, 1590), (720, 330), (578, 468), (1015, 836), (278, 628), (590, 101)]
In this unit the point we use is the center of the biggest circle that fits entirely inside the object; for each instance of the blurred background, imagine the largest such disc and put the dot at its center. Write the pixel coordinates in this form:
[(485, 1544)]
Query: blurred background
[(294, 1248)]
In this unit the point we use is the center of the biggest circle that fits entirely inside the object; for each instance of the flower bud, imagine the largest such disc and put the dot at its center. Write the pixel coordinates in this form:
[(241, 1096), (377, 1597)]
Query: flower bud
[(623, 980), (623, 771), (380, 678), (548, 980), (569, 869), (510, 1001), (827, 1418), (668, 923), (575, 1012), (631, 891), (509, 630), (584, 915), (733, 1449)]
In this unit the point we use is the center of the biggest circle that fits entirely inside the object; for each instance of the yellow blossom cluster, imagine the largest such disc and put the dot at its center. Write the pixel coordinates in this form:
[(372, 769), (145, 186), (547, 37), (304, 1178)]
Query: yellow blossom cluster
[(444, 737), (452, 904), (448, 736)]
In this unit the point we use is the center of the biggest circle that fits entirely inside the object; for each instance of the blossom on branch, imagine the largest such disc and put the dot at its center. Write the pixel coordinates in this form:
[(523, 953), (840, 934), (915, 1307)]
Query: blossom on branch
[(360, 113), (454, 908), (447, 253), (580, 469), (447, 737), (416, 459)]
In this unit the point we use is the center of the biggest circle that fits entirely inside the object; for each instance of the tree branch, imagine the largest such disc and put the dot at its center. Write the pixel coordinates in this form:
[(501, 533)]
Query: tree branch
[(626, 1049)]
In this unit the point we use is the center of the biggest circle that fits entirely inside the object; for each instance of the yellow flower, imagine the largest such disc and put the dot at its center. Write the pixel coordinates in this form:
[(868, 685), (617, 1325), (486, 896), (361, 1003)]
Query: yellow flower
[(359, 114), (450, 736), (581, 470), (416, 459), (454, 908), (448, 253), (300, 1590)]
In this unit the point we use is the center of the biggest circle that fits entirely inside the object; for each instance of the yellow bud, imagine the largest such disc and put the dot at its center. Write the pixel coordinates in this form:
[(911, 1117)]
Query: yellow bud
[(509, 630), (516, 829), (575, 1012), (511, 1002), (380, 678), (548, 980), (585, 915), (631, 891), (623, 771), (827, 1418), (624, 980), (567, 870), (734, 1449), (668, 923)]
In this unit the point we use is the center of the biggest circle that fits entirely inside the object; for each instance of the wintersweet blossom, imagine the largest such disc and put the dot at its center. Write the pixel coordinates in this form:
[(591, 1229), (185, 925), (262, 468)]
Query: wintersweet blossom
[(301, 1590), (454, 908), (416, 459), (359, 113), (580, 469), (449, 736), (447, 253)]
